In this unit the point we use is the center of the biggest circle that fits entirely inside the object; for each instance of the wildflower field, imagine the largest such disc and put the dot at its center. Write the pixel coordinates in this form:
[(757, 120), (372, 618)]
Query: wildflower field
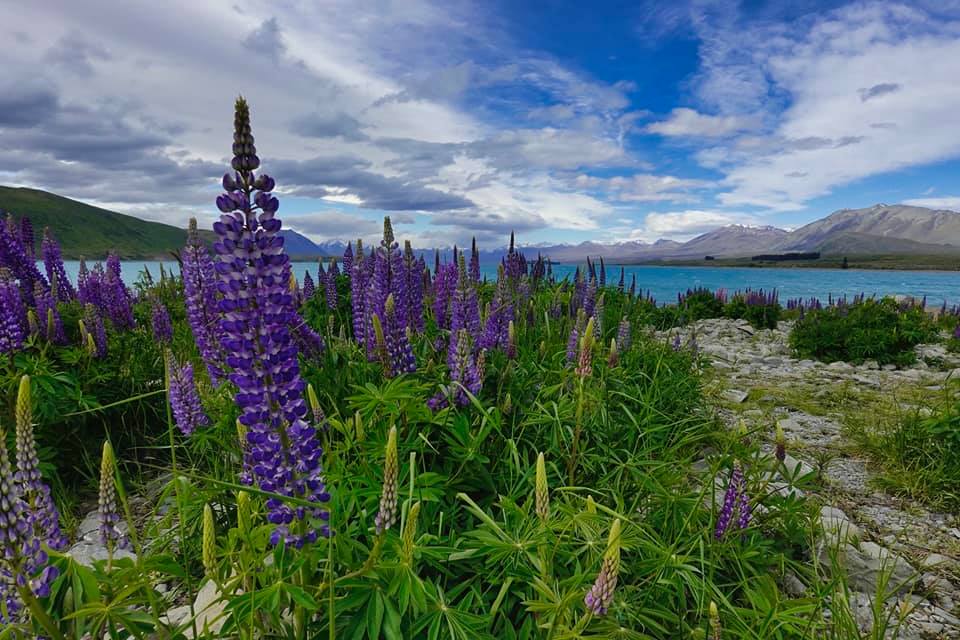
[(388, 447)]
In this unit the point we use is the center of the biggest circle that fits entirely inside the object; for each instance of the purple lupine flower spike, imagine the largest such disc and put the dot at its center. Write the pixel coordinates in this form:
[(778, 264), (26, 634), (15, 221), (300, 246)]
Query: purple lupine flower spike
[(160, 323), (200, 298), (12, 315), (21, 551), (331, 285), (358, 287), (474, 261), (600, 596), (56, 275), (116, 296), (399, 352), (184, 400), (283, 451), (730, 499), (14, 257), (94, 324), (348, 260), (42, 513), (111, 535), (308, 287), (624, 336), (27, 237), (48, 315)]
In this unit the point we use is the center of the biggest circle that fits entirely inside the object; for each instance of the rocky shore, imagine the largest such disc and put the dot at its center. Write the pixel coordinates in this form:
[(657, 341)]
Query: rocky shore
[(912, 551)]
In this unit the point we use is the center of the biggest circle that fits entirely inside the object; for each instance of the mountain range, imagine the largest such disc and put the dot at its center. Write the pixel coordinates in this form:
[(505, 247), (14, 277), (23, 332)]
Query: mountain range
[(882, 229)]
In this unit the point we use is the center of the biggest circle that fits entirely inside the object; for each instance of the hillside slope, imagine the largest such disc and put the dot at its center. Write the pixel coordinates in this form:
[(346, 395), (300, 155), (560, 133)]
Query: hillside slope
[(82, 229)]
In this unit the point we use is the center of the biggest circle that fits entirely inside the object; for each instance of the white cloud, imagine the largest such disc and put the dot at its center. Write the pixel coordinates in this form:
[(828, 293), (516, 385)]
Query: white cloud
[(862, 91), (690, 223), (684, 122), (943, 202)]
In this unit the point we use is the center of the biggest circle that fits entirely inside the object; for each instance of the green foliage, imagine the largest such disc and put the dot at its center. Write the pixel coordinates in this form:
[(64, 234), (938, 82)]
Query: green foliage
[(760, 316), (879, 330), (469, 557)]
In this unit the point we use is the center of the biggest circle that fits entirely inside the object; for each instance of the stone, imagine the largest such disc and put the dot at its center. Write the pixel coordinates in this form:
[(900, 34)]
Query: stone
[(793, 585), (837, 526), (86, 553), (734, 395), (209, 607), (866, 565), (935, 560)]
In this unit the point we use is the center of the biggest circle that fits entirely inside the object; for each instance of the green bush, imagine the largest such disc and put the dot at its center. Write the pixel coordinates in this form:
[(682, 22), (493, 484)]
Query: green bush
[(760, 312), (879, 330)]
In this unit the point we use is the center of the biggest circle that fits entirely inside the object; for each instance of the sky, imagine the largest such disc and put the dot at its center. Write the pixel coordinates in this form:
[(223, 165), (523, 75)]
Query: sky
[(562, 121)]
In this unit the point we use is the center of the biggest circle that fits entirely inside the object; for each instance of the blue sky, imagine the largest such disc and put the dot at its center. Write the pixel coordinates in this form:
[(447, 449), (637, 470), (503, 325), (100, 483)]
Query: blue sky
[(565, 122)]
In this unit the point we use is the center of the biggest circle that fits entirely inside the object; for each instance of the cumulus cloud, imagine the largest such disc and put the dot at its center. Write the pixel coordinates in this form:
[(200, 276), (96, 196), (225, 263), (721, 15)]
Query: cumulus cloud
[(684, 122), (690, 223)]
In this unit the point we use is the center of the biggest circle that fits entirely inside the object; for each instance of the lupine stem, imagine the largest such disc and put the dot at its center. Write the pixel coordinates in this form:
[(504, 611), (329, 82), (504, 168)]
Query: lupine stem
[(572, 464)]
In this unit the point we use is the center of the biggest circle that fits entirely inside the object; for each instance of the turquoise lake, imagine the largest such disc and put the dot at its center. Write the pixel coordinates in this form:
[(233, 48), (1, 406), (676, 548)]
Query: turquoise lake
[(665, 282)]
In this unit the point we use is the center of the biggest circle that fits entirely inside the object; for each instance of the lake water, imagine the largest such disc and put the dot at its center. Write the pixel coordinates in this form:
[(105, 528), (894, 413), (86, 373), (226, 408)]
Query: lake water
[(665, 282)]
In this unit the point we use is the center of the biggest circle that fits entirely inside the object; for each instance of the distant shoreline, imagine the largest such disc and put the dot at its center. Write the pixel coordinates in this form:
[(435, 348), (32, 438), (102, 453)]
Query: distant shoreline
[(854, 263)]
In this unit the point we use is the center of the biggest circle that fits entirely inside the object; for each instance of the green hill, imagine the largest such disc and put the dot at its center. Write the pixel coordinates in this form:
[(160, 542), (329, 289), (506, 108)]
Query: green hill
[(85, 230)]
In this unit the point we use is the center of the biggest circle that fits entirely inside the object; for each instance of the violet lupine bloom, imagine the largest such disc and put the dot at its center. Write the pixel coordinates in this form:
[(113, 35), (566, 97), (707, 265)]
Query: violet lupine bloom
[(330, 285), (200, 298), (444, 282), (90, 284), (283, 451), (116, 296), (573, 342), (94, 323), (184, 400), (731, 500), (48, 315), (500, 316), (308, 288), (308, 341), (464, 375), (14, 256), (399, 352), (600, 596), (474, 261), (160, 323), (27, 237), (358, 287), (12, 315), (464, 310), (348, 260), (23, 560), (53, 262), (41, 511), (387, 279)]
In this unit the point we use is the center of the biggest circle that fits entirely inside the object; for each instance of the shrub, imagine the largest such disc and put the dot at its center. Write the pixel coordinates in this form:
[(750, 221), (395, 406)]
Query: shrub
[(761, 310), (868, 329)]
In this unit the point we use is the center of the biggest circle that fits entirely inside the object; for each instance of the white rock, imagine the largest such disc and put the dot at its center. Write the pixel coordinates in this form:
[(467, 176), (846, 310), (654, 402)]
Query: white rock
[(935, 560), (735, 395)]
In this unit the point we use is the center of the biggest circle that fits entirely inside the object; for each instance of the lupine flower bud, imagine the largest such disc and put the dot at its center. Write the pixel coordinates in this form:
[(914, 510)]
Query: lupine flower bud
[(511, 341), (42, 513), (33, 324), (585, 362), (410, 532), (623, 334), (243, 511), (715, 628), (110, 534), (781, 444), (600, 596), (591, 507), (209, 543), (613, 358), (387, 515), (542, 490), (319, 417)]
